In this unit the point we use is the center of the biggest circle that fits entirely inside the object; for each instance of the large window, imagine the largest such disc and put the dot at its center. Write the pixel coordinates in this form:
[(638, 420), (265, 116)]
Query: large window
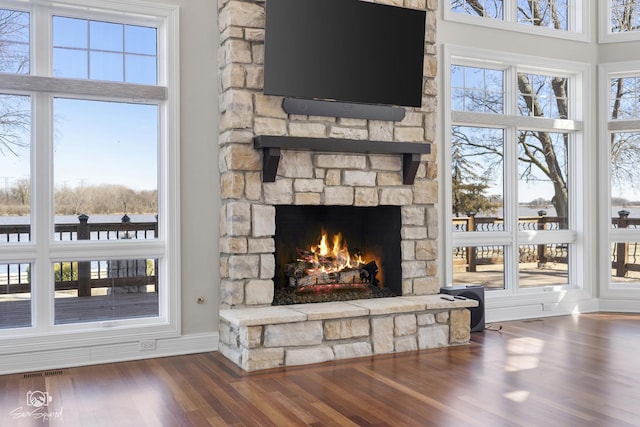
[(556, 18), (88, 172), (620, 85), (515, 140)]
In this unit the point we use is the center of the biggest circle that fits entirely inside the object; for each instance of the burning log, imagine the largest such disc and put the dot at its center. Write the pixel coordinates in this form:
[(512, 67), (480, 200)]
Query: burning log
[(337, 287), (297, 269), (323, 278), (322, 266), (301, 274)]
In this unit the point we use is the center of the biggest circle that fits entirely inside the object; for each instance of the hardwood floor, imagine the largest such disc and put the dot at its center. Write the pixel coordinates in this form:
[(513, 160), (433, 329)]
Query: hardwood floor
[(564, 371)]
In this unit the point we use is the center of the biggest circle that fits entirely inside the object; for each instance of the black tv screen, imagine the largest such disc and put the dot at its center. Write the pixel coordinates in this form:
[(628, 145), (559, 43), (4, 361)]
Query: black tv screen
[(344, 50)]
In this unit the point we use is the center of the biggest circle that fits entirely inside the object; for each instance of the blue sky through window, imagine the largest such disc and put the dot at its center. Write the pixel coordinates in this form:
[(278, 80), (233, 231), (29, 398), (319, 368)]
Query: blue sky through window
[(105, 143), (94, 142), (107, 51)]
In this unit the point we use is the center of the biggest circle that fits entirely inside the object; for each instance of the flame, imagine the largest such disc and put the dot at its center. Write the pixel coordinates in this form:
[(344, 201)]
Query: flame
[(332, 258)]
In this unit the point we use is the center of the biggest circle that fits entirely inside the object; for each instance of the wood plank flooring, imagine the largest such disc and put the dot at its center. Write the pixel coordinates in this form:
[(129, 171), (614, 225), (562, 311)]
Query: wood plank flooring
[(578, 370)]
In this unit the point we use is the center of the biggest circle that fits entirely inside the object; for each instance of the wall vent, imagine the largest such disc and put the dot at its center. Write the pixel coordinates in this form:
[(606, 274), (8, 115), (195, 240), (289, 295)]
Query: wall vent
[(45, 373)]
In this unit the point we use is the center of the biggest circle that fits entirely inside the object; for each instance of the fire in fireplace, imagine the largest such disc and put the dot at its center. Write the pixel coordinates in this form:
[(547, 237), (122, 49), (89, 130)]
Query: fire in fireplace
[(333, 253)]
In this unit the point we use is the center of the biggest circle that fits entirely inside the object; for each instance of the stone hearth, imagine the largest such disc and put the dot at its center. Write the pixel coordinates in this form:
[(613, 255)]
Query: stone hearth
[(263, 338), (361, 179)]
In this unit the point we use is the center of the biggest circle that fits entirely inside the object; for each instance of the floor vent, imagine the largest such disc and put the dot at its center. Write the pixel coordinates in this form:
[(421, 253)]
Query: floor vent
[(45, 373)]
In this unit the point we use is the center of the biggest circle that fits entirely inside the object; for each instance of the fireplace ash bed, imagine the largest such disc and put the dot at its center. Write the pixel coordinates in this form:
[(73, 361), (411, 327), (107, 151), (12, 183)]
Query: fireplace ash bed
[(287, 296)]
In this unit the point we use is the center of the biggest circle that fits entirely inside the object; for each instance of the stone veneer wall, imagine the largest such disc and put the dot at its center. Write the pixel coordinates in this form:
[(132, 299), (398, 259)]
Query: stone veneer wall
[(247, 225)]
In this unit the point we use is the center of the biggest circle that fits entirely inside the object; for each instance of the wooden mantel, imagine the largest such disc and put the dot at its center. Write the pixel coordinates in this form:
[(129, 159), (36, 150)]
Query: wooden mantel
[(271, 146)]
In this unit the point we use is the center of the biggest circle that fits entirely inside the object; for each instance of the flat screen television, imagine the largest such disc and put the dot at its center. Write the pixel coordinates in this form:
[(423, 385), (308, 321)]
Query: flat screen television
[(344, 50)]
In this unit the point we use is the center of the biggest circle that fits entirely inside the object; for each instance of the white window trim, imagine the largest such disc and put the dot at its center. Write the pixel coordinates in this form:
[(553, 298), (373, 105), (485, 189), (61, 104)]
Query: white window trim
[(580, 241), (578, 30), (45, 335), (609, 235), (605, 35)]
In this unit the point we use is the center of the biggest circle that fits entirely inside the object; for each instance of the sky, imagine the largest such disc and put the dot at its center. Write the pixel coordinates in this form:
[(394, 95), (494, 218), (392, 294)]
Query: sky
[(97, 142)]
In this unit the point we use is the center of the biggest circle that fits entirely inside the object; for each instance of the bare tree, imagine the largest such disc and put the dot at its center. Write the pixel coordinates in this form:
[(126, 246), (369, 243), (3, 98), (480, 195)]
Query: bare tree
[(624, 16), (538, 151), (474, 157), (15, 119), (105, 199), (14, 41), (14, 58), (625, 146), (21, 191)]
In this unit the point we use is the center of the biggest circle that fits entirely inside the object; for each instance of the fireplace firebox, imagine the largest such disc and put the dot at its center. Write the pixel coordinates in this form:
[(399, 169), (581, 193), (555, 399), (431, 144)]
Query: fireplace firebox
[(336, 253)]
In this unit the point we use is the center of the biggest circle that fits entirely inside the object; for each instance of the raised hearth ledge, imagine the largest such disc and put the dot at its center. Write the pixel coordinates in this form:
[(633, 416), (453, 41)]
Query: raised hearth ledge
[(269, 337)]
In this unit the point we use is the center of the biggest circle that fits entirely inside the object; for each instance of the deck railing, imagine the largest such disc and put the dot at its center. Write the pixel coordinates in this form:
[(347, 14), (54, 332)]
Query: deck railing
[(84, 275), (625, 256), (623, 252)]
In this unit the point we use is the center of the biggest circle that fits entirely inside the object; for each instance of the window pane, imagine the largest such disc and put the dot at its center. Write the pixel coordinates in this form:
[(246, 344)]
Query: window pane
[(14, 42), (482, 265), (544, 265), (70, 63), (543, 195), (106, 66), (624, 97), (140, 40), (542, 96), (15, 295), (477, 175), (544, 13), (477, 89), (625, 175), (89, 291), (485, 8), (106, 167), (141, 69), (15, 168), (106, 36), (625, 16), (97, 50), (70, 32)]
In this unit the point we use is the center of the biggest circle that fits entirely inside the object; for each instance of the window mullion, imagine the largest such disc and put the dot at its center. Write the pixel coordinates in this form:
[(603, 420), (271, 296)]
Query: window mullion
[(42, 176), (510, 201), (510, 11), (41, 42)]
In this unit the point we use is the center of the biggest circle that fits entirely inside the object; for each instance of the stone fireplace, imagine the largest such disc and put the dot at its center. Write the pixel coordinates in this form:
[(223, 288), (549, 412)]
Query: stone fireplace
[(365, 170)]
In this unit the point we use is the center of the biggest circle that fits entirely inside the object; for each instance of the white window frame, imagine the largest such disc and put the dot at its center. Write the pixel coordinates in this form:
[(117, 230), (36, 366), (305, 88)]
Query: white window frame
[(579, 75), (610, 235), (43, 250), (605, 35), (578, 29)]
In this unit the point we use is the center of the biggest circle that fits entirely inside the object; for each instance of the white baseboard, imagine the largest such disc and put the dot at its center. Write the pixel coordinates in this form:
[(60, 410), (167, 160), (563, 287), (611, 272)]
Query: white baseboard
[(537, 310), (620, 306), (94, 355)]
